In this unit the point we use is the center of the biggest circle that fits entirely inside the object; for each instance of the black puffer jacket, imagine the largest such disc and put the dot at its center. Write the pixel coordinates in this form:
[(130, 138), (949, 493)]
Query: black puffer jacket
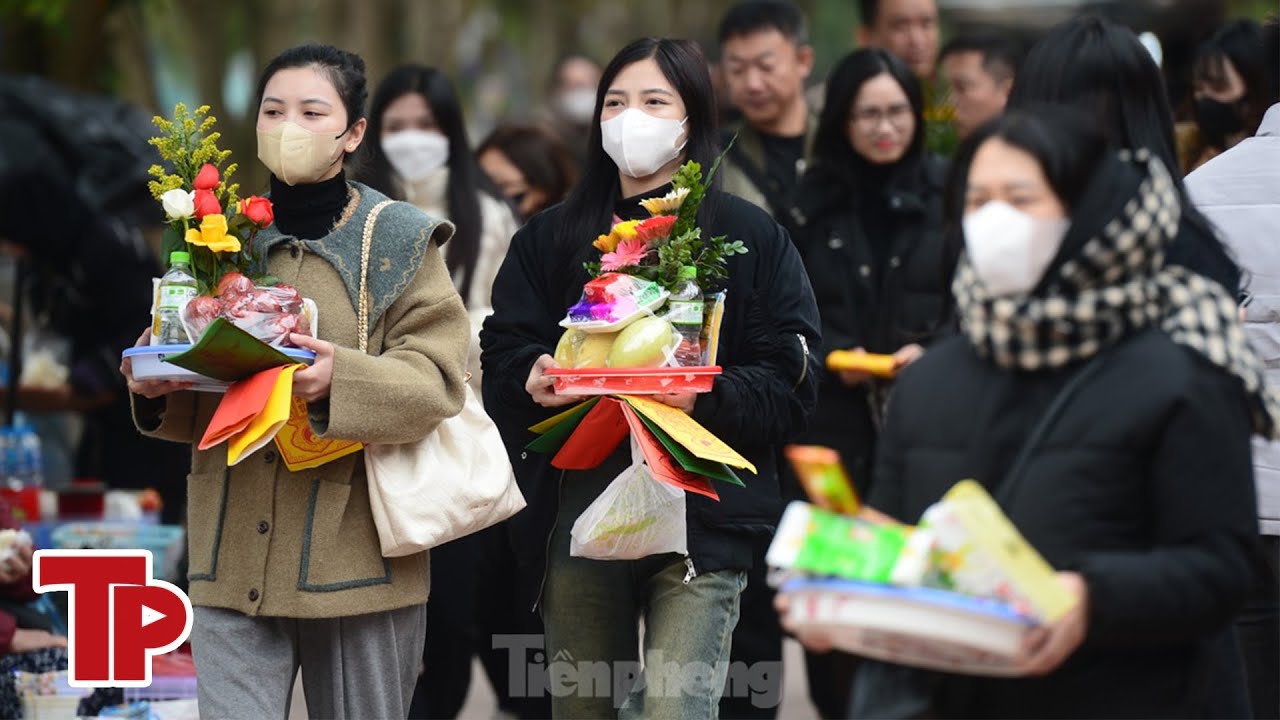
[(768, 388), (1144, 486), (880, 299)]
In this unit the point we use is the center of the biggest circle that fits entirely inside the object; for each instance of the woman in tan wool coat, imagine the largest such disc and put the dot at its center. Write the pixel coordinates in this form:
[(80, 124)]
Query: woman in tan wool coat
[(285, 568)]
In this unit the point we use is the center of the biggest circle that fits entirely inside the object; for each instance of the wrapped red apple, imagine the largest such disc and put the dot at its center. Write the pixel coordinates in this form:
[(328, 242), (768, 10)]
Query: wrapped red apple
[(270, 314)]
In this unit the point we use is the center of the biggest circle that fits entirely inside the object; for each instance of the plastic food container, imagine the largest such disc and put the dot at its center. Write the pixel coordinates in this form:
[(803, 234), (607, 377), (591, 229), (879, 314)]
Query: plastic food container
[(149, 364), (919, 627), (166, 542), (50, 707), (164, 688), (602, 326), (633, 381)]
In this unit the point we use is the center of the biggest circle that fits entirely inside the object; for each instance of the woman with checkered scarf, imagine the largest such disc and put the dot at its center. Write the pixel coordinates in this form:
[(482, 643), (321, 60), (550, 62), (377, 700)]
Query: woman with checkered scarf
[(1140, 491)]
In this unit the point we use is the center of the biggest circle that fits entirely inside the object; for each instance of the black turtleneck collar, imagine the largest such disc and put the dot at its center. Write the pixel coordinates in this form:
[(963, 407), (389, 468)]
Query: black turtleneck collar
[(629, 208), (309, 212)]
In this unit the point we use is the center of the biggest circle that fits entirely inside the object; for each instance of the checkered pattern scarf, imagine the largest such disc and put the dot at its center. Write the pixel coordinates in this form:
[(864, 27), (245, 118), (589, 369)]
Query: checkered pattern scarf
[(1115, 285)]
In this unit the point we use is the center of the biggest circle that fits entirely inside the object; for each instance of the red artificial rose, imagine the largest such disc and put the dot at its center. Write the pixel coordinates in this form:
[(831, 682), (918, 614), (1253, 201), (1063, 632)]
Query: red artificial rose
[(206, 203), (207, 178), (655, 228), (258, 210)]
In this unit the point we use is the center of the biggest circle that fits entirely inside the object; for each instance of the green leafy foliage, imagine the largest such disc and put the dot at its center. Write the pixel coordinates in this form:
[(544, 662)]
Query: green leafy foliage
[(685, 246)]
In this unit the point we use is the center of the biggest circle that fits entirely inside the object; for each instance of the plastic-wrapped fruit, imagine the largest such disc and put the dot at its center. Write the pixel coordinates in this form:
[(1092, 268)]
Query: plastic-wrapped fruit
[(578, 349), (644, 343), (199, 312), (594, 352), (233, 285), (567, 348), (615, 297)]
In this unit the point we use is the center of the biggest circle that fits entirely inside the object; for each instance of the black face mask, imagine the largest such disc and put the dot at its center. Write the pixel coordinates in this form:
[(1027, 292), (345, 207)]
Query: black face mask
[(517, 202), (1218, 120)]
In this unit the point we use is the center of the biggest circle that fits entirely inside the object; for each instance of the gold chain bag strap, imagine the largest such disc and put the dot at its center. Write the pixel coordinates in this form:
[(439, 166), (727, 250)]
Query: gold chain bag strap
[(366, 244), (454, 482)]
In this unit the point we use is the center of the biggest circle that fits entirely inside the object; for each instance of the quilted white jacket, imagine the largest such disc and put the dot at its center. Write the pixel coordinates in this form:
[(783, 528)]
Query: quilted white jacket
[(1239, 191)]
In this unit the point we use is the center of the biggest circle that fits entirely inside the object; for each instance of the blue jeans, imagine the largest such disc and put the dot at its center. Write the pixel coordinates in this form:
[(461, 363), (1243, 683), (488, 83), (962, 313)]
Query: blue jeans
[(592, 608)]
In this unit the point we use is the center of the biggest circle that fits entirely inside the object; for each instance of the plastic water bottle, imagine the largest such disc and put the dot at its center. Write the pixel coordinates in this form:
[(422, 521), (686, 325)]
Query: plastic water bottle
[(21, 471), (9, 451), (684, 311), (30, 454), (176, 288)]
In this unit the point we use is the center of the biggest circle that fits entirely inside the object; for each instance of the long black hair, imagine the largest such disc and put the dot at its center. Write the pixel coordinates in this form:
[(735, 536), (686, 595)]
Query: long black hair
[(1239, 43), (588, 209), (465, 181), (345, 71), (837, 166), (1101, 69)]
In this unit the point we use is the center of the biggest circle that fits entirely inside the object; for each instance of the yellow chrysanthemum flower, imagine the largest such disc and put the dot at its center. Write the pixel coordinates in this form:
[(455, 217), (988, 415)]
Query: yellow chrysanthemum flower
[(668, 204)]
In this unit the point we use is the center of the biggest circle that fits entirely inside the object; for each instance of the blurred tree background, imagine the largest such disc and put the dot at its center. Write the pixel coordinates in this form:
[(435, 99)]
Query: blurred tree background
[(499, 52)]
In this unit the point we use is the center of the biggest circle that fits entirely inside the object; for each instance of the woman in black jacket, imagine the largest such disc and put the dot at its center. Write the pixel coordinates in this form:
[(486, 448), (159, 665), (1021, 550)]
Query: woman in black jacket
[(871, 238), (690, 604), (1140, 493)]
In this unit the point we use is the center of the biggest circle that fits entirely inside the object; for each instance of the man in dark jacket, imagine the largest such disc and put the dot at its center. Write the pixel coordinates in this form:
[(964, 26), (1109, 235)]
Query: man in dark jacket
[(765, 53), (979, 71), (766, 57)]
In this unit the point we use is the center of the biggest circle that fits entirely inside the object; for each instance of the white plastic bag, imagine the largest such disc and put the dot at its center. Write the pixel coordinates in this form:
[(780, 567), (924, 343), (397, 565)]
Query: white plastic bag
[(635, 517)]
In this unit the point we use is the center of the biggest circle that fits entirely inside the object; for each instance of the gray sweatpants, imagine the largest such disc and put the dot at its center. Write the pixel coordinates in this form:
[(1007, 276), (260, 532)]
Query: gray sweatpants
[(356, 667)]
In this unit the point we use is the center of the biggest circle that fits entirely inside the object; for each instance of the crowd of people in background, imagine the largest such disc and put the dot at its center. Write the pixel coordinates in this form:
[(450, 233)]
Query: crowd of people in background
[(862, 195)]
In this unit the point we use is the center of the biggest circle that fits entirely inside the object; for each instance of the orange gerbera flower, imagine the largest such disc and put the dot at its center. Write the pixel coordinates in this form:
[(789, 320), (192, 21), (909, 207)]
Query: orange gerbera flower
[(655, 228)]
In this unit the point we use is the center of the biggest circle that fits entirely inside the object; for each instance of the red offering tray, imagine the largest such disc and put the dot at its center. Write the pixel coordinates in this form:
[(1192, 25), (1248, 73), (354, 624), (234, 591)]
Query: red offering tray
[(633, 381)]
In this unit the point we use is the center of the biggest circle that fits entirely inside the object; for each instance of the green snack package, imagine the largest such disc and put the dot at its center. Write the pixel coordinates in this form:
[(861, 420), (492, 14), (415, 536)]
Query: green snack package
[(823, 543)]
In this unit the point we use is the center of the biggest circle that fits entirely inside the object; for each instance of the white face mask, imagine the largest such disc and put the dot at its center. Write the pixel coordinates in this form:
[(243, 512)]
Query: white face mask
[(578, 104), (639, 143), (1009, 249), (296, 155), (416, 154)]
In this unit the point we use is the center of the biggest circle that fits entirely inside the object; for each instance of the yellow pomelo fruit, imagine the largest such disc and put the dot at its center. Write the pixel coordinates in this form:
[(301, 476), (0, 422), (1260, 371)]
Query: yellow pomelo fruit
[(578, 349), (643, 343)]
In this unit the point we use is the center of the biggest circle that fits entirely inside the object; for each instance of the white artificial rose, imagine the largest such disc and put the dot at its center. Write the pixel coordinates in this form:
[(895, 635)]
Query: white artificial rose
[(178, 204)]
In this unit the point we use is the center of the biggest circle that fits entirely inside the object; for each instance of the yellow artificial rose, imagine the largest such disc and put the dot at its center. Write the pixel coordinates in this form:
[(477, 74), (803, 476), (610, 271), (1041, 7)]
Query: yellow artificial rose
[(621, 231), (213, 235)]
